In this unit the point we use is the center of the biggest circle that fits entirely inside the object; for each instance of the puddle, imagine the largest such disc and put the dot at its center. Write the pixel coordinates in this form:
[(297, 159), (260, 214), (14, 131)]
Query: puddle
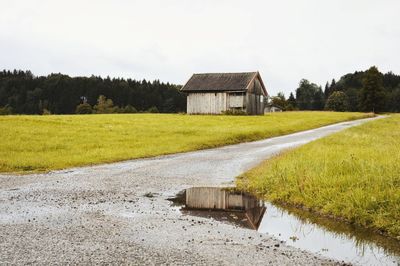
[(297, 228), (222, 204)]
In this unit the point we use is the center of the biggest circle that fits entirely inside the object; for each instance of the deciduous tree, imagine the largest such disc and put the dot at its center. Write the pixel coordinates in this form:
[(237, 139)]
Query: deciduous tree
[(104, 105), (337, 101), (309, 96), (279, 100)]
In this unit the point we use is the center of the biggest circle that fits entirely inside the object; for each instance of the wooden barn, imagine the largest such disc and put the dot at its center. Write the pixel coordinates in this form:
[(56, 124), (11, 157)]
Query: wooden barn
[(215, 93)]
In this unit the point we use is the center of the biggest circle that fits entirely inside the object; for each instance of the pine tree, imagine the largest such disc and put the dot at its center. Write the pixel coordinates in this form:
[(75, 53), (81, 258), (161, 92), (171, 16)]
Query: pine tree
[(332, 87), (292, 101), (372, 94), (318, 100), (326, 91)]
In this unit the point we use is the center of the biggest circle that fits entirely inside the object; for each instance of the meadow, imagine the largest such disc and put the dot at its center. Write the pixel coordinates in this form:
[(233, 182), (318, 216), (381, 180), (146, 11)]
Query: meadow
[(43, 143), (353, 175)]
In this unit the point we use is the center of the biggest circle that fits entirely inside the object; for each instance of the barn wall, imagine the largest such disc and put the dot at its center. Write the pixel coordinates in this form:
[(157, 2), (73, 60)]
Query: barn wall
[(236, 100), (206, 103), (206, 198), (216, 198), (255, 99)]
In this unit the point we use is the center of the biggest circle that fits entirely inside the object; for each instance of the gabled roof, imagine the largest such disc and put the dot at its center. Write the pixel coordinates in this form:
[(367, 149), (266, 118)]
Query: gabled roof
[(221, 82)]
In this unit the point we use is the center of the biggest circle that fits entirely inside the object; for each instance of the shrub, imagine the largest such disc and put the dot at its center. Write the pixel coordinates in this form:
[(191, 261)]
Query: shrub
[(234, 112), (6, 110), (129, 109), (84, 108), (153, 109), (104, 106), (46, 112)]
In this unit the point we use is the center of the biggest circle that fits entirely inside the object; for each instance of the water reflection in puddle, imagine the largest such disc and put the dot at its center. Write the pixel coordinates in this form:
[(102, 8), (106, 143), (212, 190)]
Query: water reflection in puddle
[(297, 228), (222, 204)]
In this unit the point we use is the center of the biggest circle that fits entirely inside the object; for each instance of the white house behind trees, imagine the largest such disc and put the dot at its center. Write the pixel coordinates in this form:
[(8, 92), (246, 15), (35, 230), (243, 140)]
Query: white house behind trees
[(215, 93)]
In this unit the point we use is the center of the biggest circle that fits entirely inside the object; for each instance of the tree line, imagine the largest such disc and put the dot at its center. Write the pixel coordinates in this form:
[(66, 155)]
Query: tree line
[(363, 91), (23, 93)]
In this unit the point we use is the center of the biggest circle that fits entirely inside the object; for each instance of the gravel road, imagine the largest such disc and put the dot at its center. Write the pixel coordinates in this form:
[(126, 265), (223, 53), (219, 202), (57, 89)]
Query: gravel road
[(118, 213)]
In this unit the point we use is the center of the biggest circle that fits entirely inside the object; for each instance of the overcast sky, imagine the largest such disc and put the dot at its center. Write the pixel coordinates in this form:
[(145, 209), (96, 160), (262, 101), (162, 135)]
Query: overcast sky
[(285, 40)]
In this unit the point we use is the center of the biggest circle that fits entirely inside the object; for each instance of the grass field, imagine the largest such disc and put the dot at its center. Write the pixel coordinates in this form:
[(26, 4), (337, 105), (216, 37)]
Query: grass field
[(352, 175), (42, 143)]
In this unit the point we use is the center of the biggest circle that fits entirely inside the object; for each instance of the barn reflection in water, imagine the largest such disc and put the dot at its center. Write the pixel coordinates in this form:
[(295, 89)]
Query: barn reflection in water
[(223, 204)]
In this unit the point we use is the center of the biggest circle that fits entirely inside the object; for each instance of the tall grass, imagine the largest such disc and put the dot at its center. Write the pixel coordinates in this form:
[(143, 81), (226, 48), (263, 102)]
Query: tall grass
[(353, 175), (42, 143)]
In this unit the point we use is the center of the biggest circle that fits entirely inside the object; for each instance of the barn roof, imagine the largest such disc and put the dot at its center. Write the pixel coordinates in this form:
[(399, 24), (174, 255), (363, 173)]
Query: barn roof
[(221, 82)]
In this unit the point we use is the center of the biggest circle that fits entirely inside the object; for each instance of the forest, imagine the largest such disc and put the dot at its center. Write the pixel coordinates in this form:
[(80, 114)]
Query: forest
[(23, 93), (364, 91)]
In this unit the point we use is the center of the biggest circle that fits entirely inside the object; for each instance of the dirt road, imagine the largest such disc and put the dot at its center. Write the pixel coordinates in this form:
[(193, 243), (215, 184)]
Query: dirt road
[(118, 213)]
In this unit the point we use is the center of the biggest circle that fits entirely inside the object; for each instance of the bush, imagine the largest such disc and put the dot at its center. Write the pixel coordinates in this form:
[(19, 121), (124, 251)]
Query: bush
[(104, 106), (84, 108), (129, 109), (290, 107), (6, 110), (153, 109), (46, 112), (234, 112)]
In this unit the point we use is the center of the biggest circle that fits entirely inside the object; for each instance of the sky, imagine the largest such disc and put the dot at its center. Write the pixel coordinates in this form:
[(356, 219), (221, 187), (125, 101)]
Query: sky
[(285, 40)]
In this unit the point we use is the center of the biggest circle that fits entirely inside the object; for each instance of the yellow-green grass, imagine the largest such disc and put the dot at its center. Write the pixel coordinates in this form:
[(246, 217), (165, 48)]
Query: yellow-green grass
[(352, 175), (43, 143)]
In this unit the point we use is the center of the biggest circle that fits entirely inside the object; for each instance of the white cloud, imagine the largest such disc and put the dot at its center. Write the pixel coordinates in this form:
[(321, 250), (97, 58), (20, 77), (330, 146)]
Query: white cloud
[(285, 40)]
